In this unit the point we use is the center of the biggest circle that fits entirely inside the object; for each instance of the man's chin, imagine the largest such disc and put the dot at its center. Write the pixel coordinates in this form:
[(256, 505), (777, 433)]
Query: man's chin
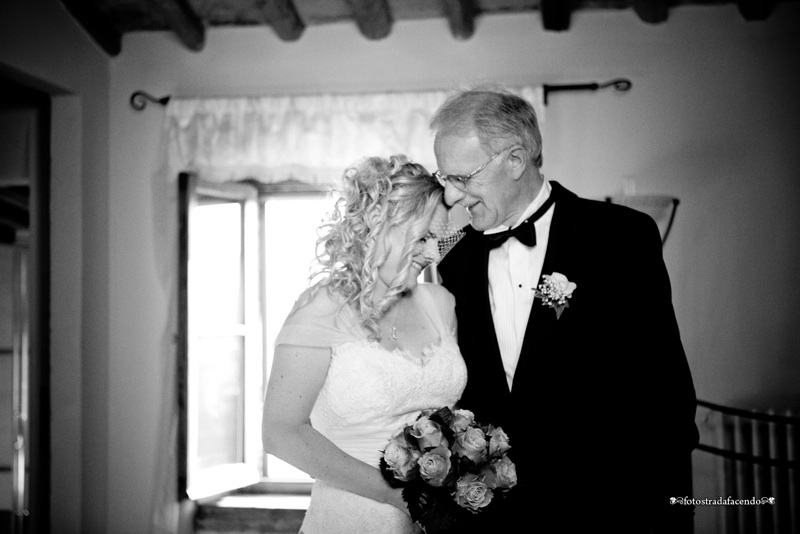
[(459, 216), (474, 220), (477, 219), (478, 224)]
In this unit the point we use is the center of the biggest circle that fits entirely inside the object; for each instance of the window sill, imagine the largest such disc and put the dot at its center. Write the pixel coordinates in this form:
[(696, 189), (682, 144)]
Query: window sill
[(266, 502)]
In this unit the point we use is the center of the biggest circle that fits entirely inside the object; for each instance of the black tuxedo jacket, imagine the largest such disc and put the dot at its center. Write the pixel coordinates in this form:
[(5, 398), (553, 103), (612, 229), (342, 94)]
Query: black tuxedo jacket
[(601, 413)]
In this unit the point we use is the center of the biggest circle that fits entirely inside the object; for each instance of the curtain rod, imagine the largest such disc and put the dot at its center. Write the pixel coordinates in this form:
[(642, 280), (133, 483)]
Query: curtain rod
[(139, 99), (620, 84)]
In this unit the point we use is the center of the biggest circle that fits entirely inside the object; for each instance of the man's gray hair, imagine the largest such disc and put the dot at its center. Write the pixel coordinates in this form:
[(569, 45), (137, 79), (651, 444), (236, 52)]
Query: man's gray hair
[(497, 116)]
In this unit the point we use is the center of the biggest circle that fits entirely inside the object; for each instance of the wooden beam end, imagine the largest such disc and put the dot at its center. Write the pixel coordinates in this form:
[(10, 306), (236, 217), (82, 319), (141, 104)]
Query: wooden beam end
[(755, 10), (556, 14), (652, 11)]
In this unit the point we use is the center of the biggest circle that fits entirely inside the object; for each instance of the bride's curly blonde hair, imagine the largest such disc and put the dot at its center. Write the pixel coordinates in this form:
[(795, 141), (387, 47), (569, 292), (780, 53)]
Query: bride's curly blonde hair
[(376, 195)]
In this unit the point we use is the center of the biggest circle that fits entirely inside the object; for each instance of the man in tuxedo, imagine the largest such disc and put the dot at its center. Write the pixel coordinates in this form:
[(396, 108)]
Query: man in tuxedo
[(592, 388)]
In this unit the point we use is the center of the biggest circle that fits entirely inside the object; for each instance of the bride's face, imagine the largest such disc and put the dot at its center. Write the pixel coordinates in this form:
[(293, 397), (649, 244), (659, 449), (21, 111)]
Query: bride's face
[(425, 252)]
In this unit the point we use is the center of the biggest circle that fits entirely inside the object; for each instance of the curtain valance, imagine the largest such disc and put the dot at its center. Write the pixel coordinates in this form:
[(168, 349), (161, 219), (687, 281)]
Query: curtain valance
[(307, 138)]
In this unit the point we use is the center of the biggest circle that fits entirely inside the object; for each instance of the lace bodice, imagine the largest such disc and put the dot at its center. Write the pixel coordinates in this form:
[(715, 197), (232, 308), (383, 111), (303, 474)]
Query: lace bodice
[(371, 392)]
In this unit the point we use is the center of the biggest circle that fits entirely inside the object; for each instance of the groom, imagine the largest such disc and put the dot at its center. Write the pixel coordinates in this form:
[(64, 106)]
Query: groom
[(592, 387)]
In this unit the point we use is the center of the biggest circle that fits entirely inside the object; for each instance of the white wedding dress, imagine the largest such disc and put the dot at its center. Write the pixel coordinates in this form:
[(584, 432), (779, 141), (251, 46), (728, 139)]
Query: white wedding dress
[(369, 393)]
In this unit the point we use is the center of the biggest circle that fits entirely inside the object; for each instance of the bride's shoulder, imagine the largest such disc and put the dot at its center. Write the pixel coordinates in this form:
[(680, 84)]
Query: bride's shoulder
[(440, 304), (318, 300), (438, 293)]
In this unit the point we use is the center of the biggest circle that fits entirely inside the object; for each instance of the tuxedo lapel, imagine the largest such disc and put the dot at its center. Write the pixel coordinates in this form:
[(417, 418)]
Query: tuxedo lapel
[(542, 323), (477, 334)]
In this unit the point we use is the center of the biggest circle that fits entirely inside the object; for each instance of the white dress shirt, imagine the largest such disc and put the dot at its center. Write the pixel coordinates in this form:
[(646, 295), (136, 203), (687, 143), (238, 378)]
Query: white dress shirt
[(514, 270)]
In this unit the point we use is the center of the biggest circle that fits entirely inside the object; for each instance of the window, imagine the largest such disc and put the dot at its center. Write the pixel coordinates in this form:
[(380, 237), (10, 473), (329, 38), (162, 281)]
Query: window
[(220, 347), (245, 258)]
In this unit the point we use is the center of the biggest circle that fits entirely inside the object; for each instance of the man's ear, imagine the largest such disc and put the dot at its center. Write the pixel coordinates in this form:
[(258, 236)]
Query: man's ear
[(518, 161)]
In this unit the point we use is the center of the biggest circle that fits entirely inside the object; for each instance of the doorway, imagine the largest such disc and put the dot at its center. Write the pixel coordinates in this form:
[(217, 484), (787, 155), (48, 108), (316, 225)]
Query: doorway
[(24, 308)]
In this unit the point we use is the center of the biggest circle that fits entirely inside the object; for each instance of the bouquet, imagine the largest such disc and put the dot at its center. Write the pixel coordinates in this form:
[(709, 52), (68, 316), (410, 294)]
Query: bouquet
[(449, 467)]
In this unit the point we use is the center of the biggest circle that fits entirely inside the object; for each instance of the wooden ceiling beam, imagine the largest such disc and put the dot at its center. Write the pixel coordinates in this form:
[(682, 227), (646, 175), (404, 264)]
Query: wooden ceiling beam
[(96, 24), (460, 17), (652, 11), (556, 14), (183, 20), (373, 17), (282, 15), (754, 10)]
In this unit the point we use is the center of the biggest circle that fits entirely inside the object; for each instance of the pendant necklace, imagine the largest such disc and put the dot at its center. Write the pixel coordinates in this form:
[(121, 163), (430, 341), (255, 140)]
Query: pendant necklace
[(393, 335), (394, 325)]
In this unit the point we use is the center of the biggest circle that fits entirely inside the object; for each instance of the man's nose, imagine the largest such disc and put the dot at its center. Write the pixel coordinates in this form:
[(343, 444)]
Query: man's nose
[(452, 194)]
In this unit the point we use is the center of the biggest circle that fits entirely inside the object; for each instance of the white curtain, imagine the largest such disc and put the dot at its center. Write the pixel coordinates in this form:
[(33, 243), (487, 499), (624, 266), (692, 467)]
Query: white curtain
[(307, 138)]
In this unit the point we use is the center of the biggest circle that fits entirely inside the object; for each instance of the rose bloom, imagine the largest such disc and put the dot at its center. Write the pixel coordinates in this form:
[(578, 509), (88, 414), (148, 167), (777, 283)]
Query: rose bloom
[(472, 493), (506, 473), (434, 466), (500, 474), (428, 433), (471, 444), (401, 458), (462, 419), (498, 442), (563, 284)]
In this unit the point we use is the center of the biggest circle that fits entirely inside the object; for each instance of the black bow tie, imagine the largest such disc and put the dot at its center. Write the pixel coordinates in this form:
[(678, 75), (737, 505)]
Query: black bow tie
[(525, 232)]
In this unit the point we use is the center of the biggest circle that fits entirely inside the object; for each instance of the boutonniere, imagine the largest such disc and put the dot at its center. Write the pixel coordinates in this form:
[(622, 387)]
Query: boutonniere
[(554, 292)]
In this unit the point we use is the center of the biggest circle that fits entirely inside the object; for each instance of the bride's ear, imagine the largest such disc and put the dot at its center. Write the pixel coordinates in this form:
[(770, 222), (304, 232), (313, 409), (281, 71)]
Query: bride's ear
[(374, 216)]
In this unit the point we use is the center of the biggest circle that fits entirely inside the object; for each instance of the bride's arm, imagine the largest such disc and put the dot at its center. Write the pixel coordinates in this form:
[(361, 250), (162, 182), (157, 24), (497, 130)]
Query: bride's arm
[(297, 376)]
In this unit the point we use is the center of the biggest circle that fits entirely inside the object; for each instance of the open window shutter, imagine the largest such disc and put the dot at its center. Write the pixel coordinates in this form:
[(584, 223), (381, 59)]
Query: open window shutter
[(220, 335)]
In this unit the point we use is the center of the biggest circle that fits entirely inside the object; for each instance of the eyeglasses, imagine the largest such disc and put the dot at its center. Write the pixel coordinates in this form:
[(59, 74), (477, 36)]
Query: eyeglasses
[(459, 181)]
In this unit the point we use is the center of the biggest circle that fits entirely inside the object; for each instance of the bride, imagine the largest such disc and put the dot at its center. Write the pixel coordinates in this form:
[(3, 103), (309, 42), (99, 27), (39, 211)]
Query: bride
[(365, 349)]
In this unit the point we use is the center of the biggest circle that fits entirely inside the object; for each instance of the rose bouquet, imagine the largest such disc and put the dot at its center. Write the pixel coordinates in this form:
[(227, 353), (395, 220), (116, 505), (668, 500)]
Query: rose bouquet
[(449, 467)]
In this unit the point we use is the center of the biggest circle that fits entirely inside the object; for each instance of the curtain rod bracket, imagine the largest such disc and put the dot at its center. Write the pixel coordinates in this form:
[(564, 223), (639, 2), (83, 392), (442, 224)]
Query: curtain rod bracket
[(620, 84), (139, 100)]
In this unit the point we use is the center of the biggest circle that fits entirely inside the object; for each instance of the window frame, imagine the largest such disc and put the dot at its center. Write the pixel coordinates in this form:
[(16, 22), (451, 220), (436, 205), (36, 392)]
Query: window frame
[(199, 484)]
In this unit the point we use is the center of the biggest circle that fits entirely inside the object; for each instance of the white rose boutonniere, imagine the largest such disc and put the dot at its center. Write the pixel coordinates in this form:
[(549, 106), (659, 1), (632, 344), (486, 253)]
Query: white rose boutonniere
[(554, 292)]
